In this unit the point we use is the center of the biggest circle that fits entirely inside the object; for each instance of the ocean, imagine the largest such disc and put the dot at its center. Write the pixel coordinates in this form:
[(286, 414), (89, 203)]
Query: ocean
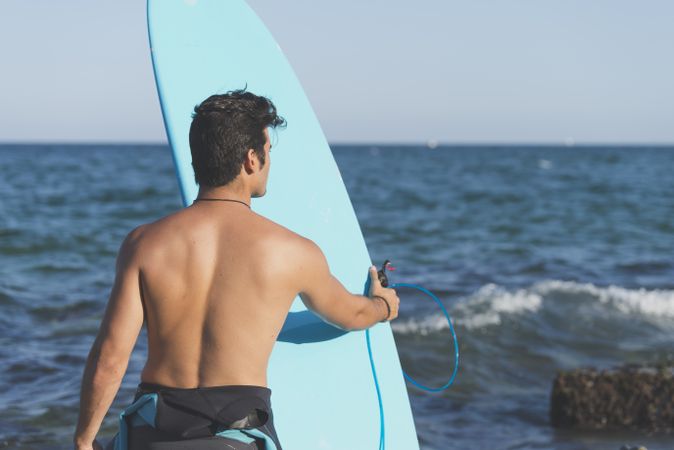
[(547, 258)]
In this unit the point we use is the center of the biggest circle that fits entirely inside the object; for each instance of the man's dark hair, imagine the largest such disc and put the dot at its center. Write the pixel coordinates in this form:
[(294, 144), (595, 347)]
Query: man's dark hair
[(224, 127)]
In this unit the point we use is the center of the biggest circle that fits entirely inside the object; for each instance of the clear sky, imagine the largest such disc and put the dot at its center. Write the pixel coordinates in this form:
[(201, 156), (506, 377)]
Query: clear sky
[(466, 71)]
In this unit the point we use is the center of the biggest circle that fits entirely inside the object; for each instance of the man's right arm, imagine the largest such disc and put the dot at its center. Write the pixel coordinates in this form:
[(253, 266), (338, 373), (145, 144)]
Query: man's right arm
[(323, 294)]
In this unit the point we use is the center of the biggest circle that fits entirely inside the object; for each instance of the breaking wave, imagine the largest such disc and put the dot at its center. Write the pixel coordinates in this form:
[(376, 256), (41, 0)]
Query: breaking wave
[(491, 304)]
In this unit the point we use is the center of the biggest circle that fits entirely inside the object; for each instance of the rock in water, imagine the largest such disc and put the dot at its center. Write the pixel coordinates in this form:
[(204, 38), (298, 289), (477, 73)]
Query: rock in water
[(628, 398)]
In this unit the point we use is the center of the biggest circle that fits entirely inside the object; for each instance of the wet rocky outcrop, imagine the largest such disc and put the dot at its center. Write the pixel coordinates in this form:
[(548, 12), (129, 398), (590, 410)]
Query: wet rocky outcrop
[(627, 398)]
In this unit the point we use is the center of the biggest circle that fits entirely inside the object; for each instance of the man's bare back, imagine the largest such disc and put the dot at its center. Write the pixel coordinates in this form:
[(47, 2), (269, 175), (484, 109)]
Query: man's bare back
[(217, 283)]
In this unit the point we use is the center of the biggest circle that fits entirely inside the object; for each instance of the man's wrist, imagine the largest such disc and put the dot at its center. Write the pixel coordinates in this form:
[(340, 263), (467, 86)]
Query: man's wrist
[(385, 307)]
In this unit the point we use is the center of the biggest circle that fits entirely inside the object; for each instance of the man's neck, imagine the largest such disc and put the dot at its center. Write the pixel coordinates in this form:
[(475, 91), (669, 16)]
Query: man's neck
[(226, 192)]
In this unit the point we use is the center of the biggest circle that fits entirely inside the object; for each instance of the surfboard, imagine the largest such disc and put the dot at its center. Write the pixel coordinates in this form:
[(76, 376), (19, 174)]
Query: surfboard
[(330, 390)]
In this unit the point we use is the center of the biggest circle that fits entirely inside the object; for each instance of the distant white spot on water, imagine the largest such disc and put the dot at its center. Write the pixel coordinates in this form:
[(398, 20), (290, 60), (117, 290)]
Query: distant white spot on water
[(544, 164), (569, 142), (432, 143)]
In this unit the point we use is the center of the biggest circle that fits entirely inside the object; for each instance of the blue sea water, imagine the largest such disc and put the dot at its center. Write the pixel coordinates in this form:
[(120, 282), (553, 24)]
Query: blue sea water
[(547, 258)]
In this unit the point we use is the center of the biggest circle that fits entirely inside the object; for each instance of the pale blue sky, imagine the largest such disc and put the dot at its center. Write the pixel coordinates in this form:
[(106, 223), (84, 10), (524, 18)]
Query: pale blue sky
[(454, 71)]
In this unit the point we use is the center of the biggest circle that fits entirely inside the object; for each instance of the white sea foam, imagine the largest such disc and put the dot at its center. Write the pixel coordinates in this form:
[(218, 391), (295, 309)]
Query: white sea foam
[(491, 302), (656, 302), (424, 326), (489, 305), (485, 307)]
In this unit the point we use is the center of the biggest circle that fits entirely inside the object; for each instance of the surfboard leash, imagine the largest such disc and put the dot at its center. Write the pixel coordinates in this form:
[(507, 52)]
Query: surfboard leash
[(383, 279)]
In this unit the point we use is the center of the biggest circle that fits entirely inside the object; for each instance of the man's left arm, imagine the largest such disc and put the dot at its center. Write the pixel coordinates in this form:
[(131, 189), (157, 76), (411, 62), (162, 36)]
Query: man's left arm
[(109, 355)]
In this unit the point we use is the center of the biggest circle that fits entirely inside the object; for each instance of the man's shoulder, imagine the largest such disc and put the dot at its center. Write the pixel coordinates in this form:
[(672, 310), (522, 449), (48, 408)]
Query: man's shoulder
[(129, 250), (275, 233), (144, 236), (282, 240), (140, 234)]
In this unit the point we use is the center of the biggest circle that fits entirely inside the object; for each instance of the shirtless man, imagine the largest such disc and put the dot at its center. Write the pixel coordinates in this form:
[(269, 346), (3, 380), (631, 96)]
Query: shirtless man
[(214, 282)]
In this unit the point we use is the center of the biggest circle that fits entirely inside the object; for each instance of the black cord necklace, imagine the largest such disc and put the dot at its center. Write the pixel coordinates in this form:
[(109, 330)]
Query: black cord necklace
[(220, 200)]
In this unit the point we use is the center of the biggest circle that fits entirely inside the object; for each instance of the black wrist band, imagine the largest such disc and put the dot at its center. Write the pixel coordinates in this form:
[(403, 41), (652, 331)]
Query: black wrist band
[(388, 308)]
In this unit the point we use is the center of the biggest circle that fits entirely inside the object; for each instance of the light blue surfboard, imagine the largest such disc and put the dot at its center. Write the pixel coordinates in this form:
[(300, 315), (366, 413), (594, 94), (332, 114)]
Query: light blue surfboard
[(325, 394)]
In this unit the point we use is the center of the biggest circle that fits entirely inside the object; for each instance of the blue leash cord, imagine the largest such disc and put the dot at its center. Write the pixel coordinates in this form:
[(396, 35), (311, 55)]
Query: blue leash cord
[(382, 430), (382, 434), (451, 328)]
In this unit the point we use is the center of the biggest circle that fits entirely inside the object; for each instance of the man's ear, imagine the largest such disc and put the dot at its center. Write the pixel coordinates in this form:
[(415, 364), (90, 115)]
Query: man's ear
[(251, 161)]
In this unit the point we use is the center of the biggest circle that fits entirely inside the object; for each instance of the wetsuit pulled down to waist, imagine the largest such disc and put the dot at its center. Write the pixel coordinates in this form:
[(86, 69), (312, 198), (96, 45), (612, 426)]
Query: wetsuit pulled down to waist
[(235, 417)]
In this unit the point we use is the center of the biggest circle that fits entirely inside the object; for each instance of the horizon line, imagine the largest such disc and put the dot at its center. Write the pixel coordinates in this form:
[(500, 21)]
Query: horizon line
[(430, 144)]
